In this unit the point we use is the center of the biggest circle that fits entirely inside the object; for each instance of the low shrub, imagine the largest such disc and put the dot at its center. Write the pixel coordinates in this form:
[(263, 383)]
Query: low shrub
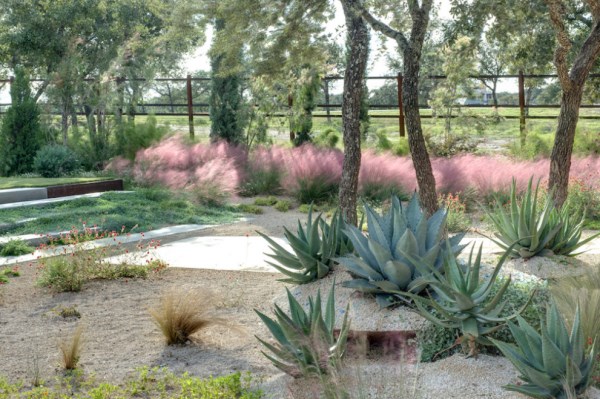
[(536, 146), (7, 272), (282, 205), (457, 219), (68, 312), (264, 172), (328, 138), (135, 136), (249, 208), (16, 248), (56, 161), (265, 201), (183, 313), (75, 263), (148, 383)]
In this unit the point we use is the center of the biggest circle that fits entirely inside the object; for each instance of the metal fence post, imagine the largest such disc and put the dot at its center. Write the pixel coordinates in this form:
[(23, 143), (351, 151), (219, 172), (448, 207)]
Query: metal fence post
[(190, 105), (522, 120), (399, 80)]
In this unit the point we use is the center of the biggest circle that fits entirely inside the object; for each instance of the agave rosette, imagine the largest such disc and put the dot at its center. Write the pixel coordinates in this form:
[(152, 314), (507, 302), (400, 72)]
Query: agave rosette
[(400, 245)]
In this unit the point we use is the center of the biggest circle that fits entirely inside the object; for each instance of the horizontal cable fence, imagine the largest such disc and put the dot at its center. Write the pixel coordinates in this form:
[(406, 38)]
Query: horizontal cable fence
[(188, 97)]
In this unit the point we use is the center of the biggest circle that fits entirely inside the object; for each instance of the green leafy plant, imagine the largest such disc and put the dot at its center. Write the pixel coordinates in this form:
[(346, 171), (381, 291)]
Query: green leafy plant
[(552, 363), (457, 220), (397, 241), (249, 208), (536, 232), (306, 343), (20, 133), (181, 314), (55, 161), (464, 302), (7, 272), (313, 253), (16, 248), (283, 205), (265, 201), (524, 224)]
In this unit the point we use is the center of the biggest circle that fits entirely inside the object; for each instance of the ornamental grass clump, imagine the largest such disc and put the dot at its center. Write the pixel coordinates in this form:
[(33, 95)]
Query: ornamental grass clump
[(462, 301), (183, 313), (305, 340), (535, 230), (554, 364), (70, 349), (400, 245), (314, 249)]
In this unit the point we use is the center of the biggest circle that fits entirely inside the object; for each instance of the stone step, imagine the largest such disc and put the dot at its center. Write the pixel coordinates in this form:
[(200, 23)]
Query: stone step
[(22, 194)]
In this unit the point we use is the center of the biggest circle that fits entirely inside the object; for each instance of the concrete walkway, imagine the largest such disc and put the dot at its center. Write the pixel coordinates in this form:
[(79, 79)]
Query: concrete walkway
[(40, 202), (218, 252)]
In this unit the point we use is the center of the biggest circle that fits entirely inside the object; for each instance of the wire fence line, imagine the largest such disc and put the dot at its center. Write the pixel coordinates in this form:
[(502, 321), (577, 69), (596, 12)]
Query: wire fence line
[(183, 103)]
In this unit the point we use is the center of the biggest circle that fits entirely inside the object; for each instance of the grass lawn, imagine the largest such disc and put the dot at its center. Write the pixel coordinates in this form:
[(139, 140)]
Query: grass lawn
[(147, 208), (23, 182)]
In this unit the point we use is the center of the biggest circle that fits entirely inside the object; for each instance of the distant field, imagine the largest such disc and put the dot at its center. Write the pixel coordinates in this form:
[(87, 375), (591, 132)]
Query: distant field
[(25, 182)]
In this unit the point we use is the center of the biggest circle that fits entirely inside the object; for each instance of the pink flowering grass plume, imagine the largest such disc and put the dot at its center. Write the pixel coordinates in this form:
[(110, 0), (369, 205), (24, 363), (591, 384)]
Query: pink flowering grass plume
[(382, 174), (210, 171), (311, 173), (120, 166)]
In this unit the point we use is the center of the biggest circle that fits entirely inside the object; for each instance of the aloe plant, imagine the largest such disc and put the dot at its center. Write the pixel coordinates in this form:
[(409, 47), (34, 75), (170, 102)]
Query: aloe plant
[(537, 232), (305, 340), (530, 228), (568, 238), (463, 301), (552, 363), (388, 259), (313, 251)]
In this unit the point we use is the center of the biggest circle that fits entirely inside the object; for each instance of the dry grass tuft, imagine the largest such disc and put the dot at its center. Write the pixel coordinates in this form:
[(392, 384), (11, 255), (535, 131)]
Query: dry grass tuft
[(584, 291), (181, 314), (71, 349)]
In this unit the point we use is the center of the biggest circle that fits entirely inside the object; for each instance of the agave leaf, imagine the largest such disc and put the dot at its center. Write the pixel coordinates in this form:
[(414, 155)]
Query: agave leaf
[(385, 300), (470, 327), (375, 224), (358, 267), (554, 359), (330, 309), (413, 212), (382, 254), (362, 286), (386, 286), (361, 245), (274, 328), (529, 390), (398, 273), (435, 227), (576, 338)]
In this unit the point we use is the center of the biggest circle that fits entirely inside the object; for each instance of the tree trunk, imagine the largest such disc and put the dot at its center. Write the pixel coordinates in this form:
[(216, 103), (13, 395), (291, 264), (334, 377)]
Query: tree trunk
[(357, 42), (416, 142), (560, 160)]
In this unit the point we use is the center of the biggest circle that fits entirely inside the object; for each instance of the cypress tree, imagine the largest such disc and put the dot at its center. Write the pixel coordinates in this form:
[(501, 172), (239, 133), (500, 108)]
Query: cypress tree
[(225, 95), (20, 135)]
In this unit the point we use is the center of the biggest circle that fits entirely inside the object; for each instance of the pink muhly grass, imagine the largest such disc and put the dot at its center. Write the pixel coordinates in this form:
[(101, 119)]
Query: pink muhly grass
[(386, 170), (214, 168), (308, 164), (119, 166)]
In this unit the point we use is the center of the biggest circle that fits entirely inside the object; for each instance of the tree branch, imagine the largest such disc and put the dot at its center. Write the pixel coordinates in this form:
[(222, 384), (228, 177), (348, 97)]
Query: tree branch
[(589, 53), (557, 11), (380, 27)]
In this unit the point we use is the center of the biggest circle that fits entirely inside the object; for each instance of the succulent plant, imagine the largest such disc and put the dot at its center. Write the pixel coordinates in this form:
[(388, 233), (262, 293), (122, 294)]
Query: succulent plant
[(305, 341), (463, 302), (398, 242), (553, 363), (568, 238), (313, 252), (537, 232)]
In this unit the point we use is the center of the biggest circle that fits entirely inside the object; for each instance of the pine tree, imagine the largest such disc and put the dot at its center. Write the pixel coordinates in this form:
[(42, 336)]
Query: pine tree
[(20, 135)]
